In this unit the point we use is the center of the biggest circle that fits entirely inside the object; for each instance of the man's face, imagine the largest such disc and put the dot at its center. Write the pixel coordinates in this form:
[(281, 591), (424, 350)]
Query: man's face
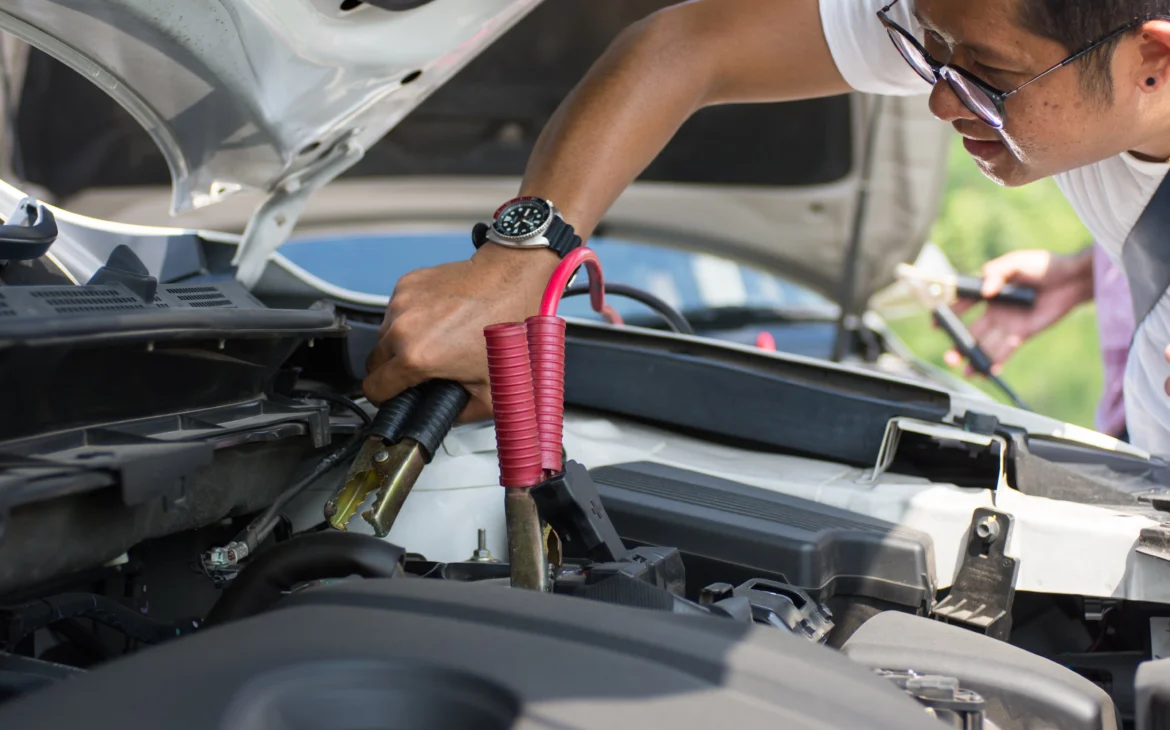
[(1051, 126)]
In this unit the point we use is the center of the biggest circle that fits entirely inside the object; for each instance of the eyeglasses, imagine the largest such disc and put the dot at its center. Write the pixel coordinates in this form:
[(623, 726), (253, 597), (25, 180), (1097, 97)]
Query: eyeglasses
[(984, 101)]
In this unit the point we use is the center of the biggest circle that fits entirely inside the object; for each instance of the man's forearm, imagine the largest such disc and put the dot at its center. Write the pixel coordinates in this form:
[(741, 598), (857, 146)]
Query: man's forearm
[(613, 124), (617, 120), (649, 82), (656, 75)]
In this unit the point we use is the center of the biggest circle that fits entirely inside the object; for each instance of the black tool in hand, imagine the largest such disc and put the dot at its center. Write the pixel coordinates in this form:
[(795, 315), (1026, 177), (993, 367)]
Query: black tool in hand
[(938, 292), (949, 288), (969, 348), (407, 432), (971, 287)]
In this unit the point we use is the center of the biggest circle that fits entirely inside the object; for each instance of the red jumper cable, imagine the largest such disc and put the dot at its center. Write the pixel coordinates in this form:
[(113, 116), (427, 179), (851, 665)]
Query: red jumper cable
[(564, 273), (526, 370), (542, 339)]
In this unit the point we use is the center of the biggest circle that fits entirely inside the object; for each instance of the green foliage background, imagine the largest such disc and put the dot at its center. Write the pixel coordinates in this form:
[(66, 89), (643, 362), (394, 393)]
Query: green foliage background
[(1058, 373)]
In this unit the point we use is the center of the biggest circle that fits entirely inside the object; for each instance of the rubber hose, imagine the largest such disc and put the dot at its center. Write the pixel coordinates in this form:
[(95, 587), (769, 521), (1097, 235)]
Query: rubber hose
[(513, 405), (36, 615), (315, 556), (546, 353)]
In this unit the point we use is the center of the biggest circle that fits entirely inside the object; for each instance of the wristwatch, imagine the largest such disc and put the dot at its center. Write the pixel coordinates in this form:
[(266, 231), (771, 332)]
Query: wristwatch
[(528, 222)]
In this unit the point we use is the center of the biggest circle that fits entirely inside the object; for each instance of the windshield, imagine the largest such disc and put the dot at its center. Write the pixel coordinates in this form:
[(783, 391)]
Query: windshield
[(690, 282)]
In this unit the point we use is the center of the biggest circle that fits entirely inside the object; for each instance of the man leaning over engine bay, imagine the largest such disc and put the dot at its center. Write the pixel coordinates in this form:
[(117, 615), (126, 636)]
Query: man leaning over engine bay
[(1078, 90)]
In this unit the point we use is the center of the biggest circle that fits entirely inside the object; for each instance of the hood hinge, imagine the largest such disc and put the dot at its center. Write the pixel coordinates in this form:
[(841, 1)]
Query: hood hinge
[(272, 223)]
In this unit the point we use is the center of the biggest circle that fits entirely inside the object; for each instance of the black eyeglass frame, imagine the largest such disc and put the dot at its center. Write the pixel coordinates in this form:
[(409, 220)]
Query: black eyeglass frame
[(942, 71)]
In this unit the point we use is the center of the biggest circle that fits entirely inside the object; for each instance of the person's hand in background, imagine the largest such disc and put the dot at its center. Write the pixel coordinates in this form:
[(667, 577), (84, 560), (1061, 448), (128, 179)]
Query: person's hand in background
[(1061, 283)]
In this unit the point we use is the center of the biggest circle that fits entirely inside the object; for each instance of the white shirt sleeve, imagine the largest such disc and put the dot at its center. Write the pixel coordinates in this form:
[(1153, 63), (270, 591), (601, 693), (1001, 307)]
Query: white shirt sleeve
[(862, 49)]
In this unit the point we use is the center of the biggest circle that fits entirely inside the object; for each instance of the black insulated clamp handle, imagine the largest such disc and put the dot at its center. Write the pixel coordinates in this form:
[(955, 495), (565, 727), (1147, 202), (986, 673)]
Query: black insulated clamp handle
[(965, 343), (440, 404), (570, 502), (969, 348), (394, 413), (971, 287)]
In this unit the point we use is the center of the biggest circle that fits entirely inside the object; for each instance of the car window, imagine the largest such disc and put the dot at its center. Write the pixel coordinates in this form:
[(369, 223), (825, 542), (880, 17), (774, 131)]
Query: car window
[(689, 281)]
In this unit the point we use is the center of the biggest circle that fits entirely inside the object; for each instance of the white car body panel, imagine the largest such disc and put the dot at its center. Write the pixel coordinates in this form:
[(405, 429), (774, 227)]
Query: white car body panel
[(1065, 548)]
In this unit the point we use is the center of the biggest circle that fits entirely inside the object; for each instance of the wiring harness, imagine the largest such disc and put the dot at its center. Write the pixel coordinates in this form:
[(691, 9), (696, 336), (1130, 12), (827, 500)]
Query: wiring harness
[(222, 563)]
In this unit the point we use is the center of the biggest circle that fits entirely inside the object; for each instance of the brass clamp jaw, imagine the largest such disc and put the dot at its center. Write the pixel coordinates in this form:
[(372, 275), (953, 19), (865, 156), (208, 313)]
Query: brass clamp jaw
[(405, 435)]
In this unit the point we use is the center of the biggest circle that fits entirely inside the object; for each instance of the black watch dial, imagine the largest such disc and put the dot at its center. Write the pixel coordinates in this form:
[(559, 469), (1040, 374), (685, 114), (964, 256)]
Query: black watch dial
[(523, 218)]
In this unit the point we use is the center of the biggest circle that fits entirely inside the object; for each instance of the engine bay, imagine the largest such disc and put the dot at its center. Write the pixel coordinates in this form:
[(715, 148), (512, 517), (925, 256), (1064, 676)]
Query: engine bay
[(868, 540)]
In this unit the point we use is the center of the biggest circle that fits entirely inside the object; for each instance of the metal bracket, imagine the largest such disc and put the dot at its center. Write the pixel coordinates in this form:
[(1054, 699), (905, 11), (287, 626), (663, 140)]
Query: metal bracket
[(982, 595), (787, 607), (1155, 541), (942, 697), (272, 223), (1096, 608), (897, 426)]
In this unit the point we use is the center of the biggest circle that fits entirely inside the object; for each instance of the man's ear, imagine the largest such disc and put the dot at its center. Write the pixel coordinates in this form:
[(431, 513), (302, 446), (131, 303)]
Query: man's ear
[(1153, 46)]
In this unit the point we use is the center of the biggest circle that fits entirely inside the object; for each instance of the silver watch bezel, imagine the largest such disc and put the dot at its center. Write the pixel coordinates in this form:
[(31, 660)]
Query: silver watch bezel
[(536, 239)]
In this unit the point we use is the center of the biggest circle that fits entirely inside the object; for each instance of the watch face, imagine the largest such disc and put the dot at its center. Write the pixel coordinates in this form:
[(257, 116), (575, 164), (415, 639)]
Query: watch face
[(523, 218)]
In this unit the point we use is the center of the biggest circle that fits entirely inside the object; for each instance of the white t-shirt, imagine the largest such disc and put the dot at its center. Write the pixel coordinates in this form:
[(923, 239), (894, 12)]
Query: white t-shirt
[(1109, 197)]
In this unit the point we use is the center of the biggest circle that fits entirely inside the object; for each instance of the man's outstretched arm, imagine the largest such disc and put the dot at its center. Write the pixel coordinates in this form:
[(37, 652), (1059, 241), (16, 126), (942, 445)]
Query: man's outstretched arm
[(654, 76)]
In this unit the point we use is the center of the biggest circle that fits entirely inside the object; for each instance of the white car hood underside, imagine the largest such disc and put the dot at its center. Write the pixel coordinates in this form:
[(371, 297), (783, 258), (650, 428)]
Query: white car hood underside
[(249, 93)]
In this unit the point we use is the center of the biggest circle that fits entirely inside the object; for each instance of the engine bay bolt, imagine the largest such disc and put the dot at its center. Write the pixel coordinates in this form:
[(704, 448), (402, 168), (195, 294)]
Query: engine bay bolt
[(382, 457), (988, 529), (482, 554)]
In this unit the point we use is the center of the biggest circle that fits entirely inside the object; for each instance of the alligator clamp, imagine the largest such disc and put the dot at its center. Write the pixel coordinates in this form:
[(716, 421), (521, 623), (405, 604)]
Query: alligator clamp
[(404, 437), (949, 288), (937, 295)]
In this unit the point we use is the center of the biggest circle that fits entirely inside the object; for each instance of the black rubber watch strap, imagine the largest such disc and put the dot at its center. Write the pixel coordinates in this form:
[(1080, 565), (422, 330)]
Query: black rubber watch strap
[(561, 237), (479, 234)]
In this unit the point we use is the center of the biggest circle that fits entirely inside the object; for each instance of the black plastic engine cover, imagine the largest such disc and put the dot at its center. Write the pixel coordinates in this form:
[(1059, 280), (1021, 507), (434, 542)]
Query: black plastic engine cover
[(730, 532), (429, 654)]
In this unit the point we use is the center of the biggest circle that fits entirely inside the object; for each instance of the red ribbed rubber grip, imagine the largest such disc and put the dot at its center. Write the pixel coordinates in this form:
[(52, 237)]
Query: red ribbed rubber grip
[(546, 352), (513, 405)]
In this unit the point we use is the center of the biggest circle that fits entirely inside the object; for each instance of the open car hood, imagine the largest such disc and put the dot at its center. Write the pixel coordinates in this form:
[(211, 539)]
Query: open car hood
[(272, 100), (249, 93)]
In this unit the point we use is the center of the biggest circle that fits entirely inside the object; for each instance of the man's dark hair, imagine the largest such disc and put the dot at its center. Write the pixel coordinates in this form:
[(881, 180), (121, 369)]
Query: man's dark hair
[(1078, 23)]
